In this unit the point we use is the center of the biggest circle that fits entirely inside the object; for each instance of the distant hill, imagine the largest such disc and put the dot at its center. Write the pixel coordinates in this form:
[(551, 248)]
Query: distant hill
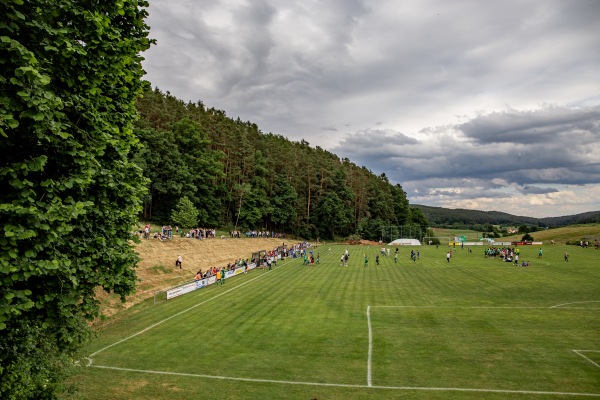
[(583, 218), (463, 218)]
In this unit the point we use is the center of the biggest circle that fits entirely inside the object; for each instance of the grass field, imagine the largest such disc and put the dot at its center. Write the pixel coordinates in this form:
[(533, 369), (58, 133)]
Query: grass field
[(474, 328)]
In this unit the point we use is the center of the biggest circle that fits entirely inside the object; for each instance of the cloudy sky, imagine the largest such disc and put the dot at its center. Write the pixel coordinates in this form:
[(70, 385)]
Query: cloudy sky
[(487, 105)]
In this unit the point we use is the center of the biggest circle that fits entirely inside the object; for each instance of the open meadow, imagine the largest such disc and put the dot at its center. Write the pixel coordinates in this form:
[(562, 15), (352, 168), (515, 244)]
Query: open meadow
[(471, 328)]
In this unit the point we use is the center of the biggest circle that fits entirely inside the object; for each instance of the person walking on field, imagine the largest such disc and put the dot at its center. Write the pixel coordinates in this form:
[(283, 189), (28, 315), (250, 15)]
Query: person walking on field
[(366, 260), (178, 262), (222, 276), (566, 256), (448, 256)]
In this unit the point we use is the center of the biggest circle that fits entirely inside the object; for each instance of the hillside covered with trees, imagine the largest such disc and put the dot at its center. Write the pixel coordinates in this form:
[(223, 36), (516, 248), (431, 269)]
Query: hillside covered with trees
[(475, 219), (241, 178)]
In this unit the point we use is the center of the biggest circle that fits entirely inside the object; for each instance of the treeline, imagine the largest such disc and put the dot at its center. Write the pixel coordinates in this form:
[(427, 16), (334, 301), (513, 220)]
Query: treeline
[(239, 177), (592, 217), (480, 220)]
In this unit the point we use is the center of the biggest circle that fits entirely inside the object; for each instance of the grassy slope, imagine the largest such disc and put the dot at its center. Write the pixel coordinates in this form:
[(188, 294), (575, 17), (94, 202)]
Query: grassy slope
[(565, 234), (559, 235), (156, 269)]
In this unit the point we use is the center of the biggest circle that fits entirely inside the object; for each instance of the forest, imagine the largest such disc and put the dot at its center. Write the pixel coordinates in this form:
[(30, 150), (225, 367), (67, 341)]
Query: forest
[(238, 177), (480, 220)]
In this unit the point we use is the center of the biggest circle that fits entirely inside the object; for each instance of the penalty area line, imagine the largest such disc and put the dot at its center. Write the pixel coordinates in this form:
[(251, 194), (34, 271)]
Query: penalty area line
[(370, 352), (587, 358), (183, 312), (347, 385)]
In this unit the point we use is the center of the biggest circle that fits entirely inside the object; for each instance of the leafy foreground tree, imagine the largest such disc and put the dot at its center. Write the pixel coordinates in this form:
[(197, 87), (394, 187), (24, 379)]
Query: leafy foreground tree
[(69, 193)]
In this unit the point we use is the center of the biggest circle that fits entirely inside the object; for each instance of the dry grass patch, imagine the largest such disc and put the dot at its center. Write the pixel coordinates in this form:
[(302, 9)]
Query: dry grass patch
[(156, 269)]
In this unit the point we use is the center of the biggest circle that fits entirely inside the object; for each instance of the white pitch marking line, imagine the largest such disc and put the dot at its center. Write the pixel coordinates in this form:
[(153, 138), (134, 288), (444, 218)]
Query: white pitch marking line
[(587, 358), (575, 302), (467, 307), (439, 389), (370, 354), (179, 313), (502, 307)]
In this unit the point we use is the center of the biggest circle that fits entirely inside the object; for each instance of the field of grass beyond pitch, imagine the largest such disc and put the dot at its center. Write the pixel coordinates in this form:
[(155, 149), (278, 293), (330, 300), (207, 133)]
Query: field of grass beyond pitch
[(474, 328)]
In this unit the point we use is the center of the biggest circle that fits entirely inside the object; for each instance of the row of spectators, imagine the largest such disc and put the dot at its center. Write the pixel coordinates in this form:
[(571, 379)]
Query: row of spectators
[(214, 270), (257, 234), (201, 233), (166, 233), (268, 259)]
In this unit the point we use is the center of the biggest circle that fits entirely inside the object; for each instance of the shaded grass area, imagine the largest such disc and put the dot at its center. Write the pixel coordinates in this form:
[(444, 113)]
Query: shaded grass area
[(304, 324)]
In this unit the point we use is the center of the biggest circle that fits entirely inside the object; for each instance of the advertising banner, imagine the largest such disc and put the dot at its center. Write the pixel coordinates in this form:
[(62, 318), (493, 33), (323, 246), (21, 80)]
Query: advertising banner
[(190, 287), (178, 291)]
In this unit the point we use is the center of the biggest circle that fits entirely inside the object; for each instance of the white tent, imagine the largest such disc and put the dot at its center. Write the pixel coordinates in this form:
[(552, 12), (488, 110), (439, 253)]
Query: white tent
[(405, 242)]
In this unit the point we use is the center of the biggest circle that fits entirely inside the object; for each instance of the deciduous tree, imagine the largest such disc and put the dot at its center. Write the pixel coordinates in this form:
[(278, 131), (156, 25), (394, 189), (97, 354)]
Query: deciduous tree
[(69, 192)]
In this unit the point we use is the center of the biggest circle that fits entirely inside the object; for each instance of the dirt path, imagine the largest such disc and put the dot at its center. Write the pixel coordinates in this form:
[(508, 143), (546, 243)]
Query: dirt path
[(157, 270)]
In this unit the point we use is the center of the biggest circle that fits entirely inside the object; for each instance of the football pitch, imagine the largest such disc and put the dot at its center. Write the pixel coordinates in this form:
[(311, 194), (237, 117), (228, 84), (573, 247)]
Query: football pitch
[(471, 328)]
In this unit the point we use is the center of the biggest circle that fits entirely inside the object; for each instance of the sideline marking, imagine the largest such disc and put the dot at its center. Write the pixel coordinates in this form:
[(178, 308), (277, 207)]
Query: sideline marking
[(439, 389), (588, 351), (182, 312), (370, 353), (575, 302)]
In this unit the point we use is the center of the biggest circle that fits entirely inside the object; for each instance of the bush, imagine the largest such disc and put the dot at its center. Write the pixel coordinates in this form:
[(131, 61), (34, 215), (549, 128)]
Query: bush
[(527, 238)]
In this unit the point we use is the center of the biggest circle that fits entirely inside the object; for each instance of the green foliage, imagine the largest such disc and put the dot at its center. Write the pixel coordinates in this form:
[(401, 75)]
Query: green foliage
[(237, 176), (185, 214), (371, 229), (527, 238), (417, 217), (430, 234), (69, 192)]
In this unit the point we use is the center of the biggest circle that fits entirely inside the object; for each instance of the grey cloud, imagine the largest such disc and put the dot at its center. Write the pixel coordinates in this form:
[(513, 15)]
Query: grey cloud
[(502, 92), (329, 128), (534, 127), (444, 156), (529, 189)]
